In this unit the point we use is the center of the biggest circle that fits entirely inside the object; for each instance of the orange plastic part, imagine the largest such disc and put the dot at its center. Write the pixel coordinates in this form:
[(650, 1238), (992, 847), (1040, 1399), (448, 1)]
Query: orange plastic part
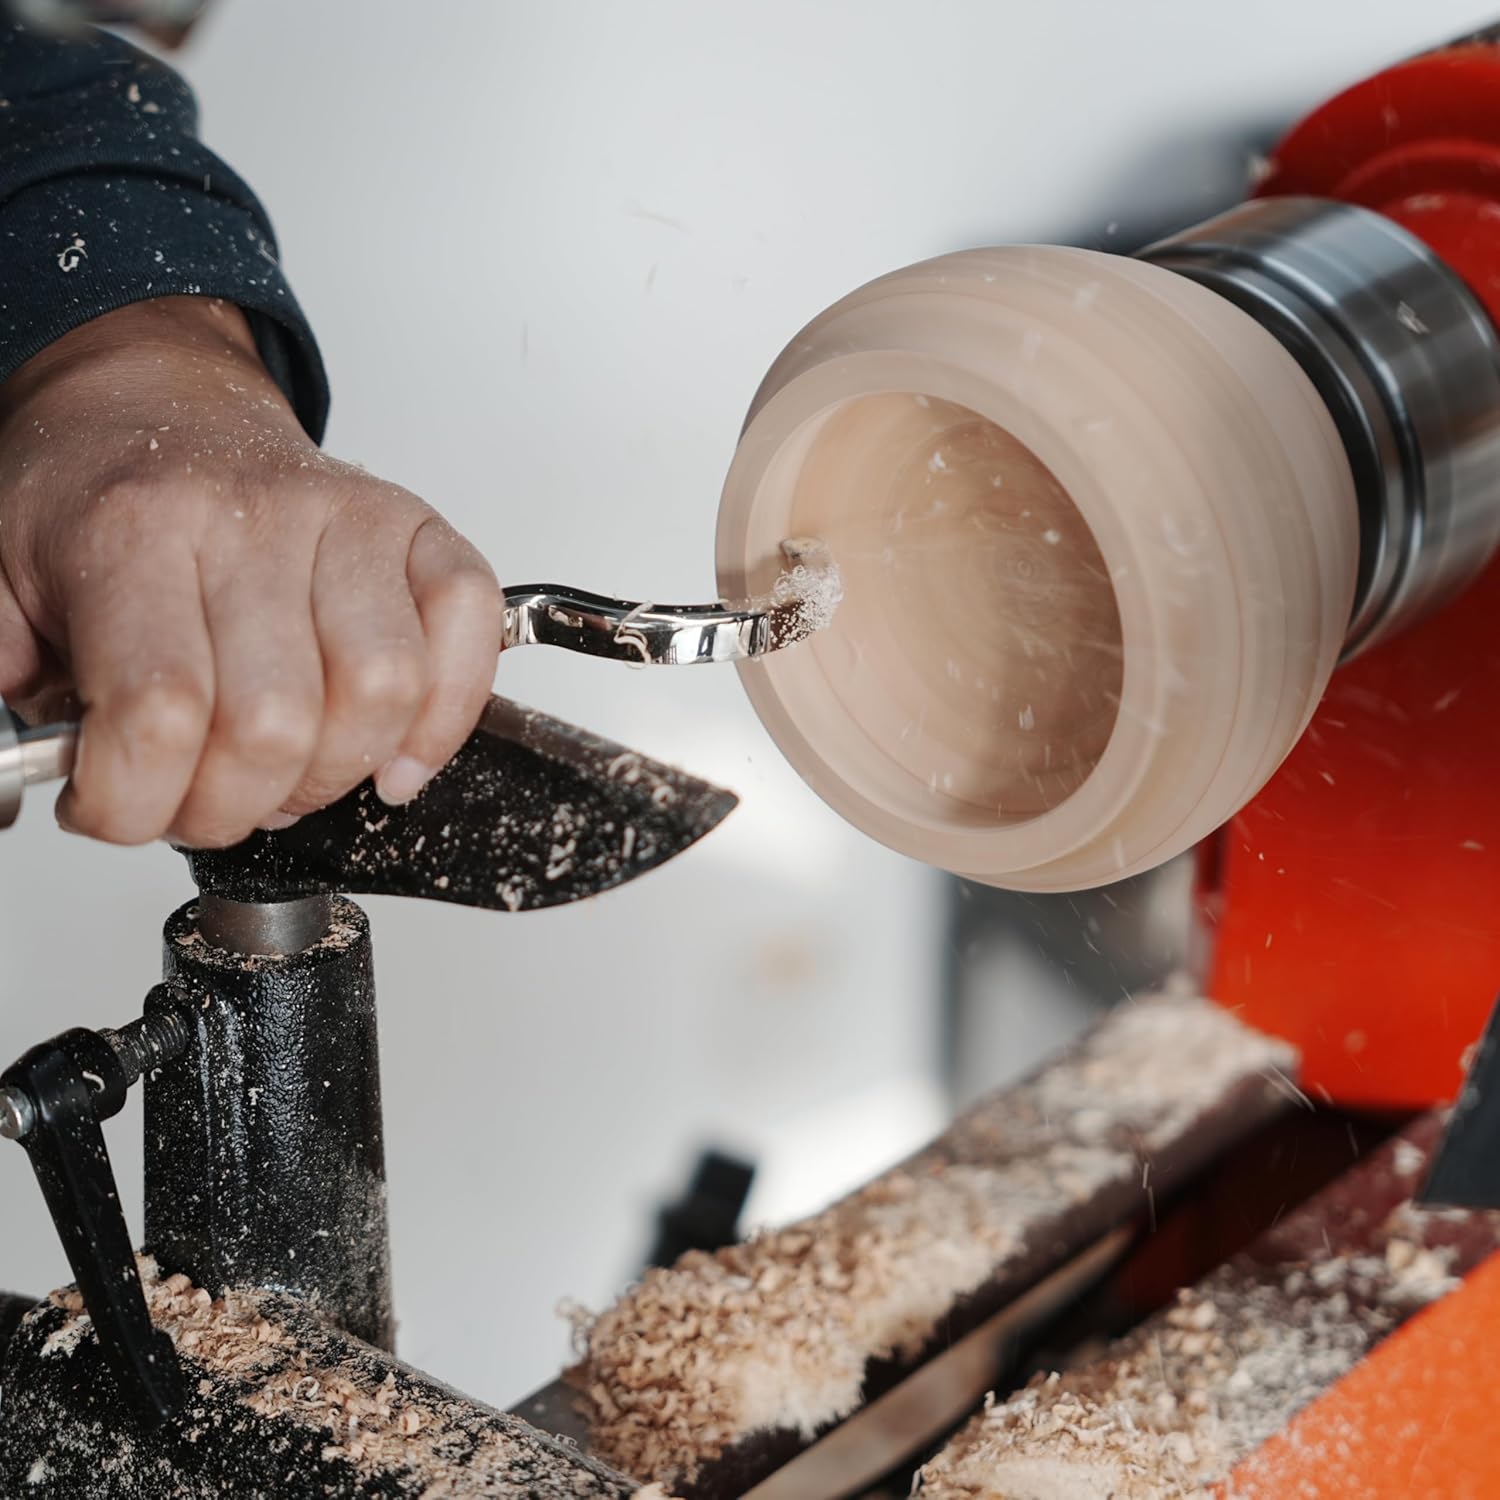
[(1414, 1420), (1419, 143), (1356, 900)]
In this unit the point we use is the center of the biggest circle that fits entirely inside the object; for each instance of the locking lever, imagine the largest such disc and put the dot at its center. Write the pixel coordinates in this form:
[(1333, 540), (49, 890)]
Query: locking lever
[(54, 1100)]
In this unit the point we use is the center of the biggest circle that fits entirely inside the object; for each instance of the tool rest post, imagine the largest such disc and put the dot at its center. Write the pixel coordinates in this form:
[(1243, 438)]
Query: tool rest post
[(265, 1161)]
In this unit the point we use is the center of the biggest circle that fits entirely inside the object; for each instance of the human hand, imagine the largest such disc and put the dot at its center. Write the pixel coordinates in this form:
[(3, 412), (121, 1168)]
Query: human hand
[(249, 627)]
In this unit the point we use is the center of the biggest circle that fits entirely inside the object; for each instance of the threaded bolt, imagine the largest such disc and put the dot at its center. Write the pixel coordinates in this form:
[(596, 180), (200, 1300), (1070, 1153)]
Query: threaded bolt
[(151, 1041)]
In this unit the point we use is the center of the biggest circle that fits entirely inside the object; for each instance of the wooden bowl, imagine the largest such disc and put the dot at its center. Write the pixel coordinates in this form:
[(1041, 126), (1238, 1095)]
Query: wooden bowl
[(1098, 541)]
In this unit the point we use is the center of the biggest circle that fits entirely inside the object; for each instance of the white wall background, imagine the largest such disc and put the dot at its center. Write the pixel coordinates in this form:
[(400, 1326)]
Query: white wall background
[(550, 247)]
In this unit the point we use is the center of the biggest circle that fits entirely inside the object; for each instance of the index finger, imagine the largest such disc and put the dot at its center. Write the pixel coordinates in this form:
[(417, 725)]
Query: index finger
[(141, 660)]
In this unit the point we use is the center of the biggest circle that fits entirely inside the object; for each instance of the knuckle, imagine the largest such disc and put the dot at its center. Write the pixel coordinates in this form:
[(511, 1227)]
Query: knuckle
[(131, 502), (128, 489), (473, 592), (385, 680), (264, 513), (73, 553), (163, 717), (270, 726), (126, 516), (371, 503)]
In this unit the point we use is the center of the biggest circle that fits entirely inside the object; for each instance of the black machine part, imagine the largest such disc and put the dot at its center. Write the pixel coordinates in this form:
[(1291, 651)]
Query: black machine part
[(530, 813), (265, 1160), (264, 1149), (265, 1157), (707, 1215), (281, 1406), (58, 1095), (1466, 1168)]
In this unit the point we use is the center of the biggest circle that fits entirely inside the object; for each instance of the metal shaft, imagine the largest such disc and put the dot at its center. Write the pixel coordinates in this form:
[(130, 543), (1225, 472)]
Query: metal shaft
[(30, 755), (681, 634), (264, 927), (156, 1038), (1409, 366)]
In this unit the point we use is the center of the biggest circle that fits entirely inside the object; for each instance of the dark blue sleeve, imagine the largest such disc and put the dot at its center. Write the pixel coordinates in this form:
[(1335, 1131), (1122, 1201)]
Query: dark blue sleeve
[(108, 197)]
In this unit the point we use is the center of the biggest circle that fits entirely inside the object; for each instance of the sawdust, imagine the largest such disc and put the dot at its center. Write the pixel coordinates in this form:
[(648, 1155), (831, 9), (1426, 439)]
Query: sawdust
[(806, 594), (380, 1430), (530, 813), (230, 1336), (776, 1334), (1171, 1413), (1176, 1405), (379, 1419)]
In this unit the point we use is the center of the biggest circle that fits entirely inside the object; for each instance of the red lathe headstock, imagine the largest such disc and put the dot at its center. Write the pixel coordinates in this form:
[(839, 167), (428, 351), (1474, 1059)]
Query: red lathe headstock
[(1354, 900)]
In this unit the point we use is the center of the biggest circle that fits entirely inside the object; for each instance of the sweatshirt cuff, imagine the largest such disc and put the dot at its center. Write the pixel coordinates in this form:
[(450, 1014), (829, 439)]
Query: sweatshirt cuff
[(75, 247)]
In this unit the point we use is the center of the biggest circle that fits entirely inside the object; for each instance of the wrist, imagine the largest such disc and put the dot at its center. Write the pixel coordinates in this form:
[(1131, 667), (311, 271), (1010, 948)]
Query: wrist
[(155, 351)]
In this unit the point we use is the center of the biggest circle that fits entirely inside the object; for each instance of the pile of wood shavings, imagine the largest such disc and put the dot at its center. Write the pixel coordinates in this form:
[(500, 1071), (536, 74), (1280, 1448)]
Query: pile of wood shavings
[(230, 1336), (445, 1447), (776, 1334), (1175, 1406)]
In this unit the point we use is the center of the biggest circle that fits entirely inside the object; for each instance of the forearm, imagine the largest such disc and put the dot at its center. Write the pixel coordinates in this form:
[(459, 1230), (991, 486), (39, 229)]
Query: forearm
[(108, 198), (249, 627)]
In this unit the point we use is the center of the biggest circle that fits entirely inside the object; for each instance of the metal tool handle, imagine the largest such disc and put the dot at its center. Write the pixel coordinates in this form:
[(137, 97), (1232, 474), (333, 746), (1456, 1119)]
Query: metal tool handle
[(29, 755)]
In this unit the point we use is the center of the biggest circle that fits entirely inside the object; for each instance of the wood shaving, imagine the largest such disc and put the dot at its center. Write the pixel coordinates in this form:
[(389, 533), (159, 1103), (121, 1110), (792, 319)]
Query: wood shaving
[(806, 594), (229, 1336), (1171, 1409), (248, 1352), (776, 1334)]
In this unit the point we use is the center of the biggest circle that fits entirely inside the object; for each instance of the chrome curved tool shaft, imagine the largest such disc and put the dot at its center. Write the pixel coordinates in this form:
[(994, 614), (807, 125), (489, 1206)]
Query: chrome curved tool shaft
[(545, 614), (802, 601)]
